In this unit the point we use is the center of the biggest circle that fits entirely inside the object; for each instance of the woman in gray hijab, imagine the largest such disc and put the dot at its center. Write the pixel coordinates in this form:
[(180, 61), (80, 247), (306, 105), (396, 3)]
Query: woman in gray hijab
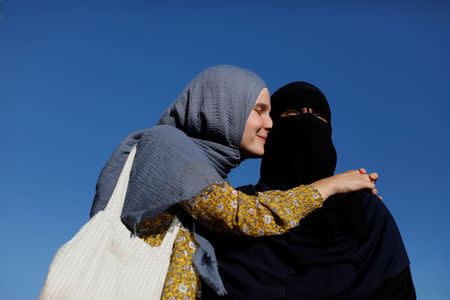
[(221, 118)]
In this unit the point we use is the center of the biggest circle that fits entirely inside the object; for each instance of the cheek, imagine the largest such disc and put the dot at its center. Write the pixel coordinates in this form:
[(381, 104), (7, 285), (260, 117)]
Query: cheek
[(253, 122), (258, 122)]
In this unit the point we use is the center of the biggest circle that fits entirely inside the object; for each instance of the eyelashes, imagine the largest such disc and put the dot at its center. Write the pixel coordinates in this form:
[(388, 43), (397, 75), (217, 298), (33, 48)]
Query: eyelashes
[(294, 112), (261, 109), (320, 117)]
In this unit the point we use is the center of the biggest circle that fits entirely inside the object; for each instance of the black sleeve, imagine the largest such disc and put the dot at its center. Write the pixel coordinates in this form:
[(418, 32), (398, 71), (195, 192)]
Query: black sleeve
[(399, 287)]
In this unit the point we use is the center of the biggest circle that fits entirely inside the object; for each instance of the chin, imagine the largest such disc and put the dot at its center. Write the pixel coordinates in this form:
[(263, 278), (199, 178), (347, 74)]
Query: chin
[(256, 150), (253, 154)]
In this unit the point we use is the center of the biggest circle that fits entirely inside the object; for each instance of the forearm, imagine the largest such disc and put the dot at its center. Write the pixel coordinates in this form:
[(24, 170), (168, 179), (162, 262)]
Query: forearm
[(222, 208)]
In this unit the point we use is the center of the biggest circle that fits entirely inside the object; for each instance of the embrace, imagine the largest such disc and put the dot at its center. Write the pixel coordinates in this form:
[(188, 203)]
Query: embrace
[(301, 232)]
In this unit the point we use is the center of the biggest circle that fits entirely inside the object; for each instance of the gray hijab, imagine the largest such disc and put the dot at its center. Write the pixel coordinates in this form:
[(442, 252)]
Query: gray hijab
[(195, 144), (213, 109)]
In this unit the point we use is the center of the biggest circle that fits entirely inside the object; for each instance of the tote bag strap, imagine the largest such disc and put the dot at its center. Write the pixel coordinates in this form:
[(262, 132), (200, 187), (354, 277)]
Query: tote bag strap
[(115, 204)]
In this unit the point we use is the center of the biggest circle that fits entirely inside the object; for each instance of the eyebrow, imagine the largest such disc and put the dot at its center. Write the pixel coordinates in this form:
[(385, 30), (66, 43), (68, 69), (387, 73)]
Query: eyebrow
[(301, 109)]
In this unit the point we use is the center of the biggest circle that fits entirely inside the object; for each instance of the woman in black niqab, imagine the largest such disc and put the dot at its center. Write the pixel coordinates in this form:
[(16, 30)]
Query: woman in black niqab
[(348, 251)]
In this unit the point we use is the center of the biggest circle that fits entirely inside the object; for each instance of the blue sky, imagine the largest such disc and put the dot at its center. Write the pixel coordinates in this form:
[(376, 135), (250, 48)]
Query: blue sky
[(78, 76)]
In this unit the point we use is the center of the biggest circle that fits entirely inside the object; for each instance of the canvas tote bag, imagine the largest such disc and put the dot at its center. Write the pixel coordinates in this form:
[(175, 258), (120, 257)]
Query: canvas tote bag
[(103, 261)]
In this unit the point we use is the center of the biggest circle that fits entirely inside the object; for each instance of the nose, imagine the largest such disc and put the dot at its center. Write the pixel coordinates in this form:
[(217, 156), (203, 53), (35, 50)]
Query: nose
[(268, 123)]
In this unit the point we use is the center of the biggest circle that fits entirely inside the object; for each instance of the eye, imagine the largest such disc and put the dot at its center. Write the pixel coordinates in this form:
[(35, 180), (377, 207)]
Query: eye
[(261, 109), (303, 110), (319, 116), (289, 112)]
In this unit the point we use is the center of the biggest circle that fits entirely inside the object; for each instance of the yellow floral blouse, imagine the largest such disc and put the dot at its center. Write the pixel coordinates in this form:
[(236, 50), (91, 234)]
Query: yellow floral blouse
[(222, 208)]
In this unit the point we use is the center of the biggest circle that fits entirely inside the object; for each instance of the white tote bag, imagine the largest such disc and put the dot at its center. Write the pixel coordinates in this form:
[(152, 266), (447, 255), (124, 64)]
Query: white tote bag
[(103, 261)]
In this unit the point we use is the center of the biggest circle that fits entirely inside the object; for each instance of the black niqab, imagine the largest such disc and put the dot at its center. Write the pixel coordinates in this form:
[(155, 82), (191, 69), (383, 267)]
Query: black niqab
[(345, 250), (302, 142), (297, 95), (300, 150)]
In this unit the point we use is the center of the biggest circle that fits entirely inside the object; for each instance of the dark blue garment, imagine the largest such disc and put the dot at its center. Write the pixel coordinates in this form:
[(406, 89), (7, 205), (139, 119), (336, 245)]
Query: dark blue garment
[(306, 264)]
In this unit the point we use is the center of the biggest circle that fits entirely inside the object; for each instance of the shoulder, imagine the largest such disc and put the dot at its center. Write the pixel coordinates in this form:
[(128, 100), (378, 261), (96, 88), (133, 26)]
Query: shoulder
[(167, 146), (372, 200), (165, 136), (165, 131), (375, 208)]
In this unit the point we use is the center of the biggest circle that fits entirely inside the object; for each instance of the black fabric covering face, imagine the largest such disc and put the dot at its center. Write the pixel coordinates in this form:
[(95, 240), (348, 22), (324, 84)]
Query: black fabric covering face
[(297, 95), (299, 150), (349, 249)]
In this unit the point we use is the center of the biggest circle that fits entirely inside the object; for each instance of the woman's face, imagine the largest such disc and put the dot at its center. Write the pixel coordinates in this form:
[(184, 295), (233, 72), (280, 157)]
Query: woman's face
[(257, 127), (304, 110)]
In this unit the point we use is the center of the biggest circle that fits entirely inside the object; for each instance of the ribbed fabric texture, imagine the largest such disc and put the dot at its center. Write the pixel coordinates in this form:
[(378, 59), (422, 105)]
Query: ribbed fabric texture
[(195, 145), (103, 261)]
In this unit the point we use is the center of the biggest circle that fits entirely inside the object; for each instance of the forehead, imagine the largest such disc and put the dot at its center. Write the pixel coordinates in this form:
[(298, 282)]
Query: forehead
[(298, 98), (263, 98)]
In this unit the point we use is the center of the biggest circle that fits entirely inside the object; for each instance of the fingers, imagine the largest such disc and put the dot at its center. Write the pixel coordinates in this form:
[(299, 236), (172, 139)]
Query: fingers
[(373, 176), (367, 182), (375, 192), (352, 172), (362, 181), (354, 180)]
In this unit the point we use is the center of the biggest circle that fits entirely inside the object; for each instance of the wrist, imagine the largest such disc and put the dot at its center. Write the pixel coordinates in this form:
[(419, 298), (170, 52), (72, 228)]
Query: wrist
[(324, 187)]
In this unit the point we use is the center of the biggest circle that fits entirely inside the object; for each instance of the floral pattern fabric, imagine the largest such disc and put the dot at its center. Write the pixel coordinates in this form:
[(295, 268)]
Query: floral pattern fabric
[(222, 208)]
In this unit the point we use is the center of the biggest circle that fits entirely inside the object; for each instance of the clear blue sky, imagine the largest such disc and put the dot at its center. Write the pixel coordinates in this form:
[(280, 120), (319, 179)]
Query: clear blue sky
[(77, 76)]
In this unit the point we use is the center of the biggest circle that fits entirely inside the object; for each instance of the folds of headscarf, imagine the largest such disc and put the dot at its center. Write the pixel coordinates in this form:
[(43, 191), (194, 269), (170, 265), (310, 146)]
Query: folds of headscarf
[(195, 144)]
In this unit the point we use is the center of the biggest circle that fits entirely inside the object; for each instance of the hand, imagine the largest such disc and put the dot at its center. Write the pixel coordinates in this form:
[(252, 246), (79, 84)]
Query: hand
[(346, 182), (374, 178)]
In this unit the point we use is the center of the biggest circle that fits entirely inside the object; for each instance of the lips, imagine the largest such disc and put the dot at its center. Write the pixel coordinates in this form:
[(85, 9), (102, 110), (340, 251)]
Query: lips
[(262, 137)]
